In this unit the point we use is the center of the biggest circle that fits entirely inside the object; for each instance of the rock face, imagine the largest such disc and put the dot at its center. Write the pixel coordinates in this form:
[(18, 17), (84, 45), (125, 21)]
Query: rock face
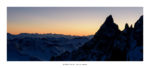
[(110, 44), (138, 31)]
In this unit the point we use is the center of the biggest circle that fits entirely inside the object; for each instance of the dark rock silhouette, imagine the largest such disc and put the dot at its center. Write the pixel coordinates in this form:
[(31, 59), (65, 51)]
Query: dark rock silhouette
[(138, 31), (110, 44)]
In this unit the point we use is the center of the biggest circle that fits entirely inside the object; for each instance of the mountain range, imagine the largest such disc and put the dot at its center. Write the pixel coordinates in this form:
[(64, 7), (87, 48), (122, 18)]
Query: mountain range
[(107, 44), (33, 47), (110, 44)]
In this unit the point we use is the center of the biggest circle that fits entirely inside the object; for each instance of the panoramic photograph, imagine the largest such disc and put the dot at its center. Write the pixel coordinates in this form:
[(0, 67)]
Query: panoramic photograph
[(75, 33)]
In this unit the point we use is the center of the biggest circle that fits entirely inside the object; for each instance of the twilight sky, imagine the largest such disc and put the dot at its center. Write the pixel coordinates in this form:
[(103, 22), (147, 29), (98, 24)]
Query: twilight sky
[(67, 20)]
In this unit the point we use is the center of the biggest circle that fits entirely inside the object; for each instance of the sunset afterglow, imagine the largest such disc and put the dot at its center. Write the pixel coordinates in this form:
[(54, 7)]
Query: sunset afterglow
[(67, 20)]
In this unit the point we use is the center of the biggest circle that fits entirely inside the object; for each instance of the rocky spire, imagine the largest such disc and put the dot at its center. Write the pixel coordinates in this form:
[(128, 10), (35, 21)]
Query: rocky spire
[(139, 23), (126, 29), (109, 28), (131, 26), (109, 19), (126, 26), (138, 31)]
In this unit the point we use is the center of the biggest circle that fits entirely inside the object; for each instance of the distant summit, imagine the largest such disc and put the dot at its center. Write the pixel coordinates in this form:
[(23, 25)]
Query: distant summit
[(110, 44)]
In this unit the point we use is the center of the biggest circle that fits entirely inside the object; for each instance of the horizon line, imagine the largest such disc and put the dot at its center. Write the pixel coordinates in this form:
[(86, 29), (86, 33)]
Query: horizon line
[(48, 33)]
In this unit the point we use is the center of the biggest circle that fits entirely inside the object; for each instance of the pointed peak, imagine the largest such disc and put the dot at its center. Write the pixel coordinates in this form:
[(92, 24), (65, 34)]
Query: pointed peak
[(110, 16), (139, 23), (109, 19), (108, 28), (126, 25), (131, 26), (141, 18)]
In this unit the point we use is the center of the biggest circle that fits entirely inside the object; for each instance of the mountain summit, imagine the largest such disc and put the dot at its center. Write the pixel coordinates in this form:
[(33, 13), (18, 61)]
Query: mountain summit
[(109, 19), (109, 28)]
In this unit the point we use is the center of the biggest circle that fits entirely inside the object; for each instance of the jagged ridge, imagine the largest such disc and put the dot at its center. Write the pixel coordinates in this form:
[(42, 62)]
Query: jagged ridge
[(109, 43)]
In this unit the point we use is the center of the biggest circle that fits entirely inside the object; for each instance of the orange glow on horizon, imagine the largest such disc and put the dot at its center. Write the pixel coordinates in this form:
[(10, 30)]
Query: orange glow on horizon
[(74, 31), (82, 29), (80, 21)]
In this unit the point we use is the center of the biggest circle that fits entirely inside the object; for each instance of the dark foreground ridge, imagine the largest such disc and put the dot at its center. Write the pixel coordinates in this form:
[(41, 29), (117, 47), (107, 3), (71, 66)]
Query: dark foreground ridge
[(110, 44)]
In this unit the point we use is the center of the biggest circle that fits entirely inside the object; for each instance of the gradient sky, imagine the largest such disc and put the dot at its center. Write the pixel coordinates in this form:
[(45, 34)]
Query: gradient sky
[(67, 20)]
